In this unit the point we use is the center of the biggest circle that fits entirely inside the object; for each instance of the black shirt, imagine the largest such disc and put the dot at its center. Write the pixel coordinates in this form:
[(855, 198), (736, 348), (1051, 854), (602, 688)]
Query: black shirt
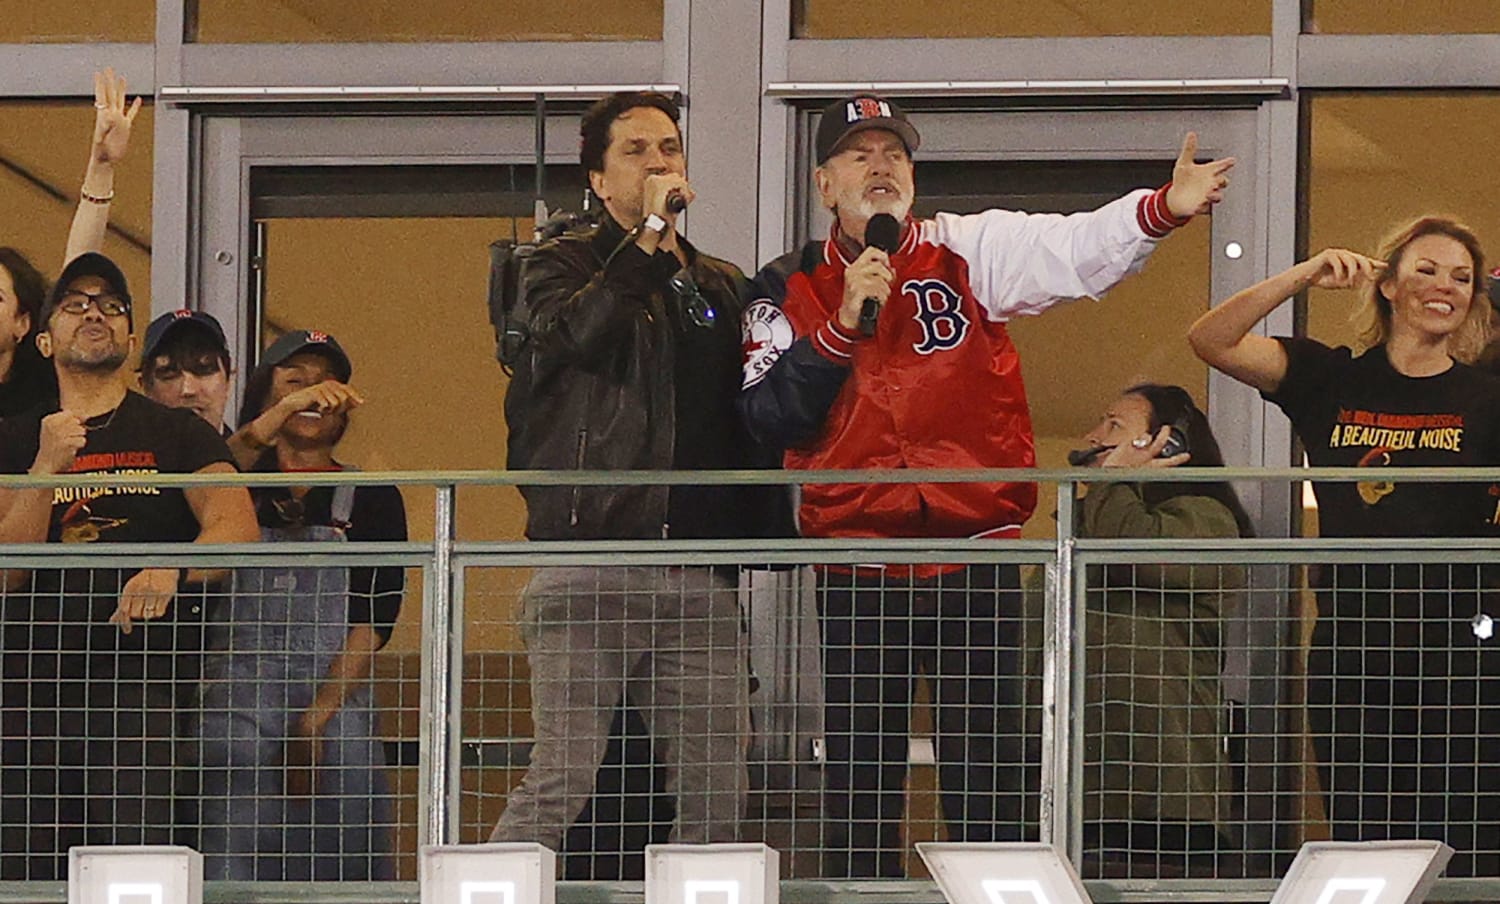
[(378, 513), (708, 433), (1360, 412), (32, 382), (138, 437)]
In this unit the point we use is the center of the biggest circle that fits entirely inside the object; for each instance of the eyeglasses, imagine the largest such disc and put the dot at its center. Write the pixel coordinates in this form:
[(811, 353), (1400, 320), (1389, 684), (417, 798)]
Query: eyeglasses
[(108, 303), (699, 311)]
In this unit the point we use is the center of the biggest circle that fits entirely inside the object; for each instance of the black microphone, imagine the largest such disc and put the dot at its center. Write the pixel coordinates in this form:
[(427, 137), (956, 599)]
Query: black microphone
[(1080, 458), (676, 201), (883, 232)]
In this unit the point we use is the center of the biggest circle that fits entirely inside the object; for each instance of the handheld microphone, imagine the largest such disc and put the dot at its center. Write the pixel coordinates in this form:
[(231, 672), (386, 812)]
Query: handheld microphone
[(676, 201), (883, 232)]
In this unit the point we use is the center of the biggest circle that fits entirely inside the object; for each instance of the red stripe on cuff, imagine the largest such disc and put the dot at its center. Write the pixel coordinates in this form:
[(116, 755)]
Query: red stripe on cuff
[(833, 342), (1154, 217)]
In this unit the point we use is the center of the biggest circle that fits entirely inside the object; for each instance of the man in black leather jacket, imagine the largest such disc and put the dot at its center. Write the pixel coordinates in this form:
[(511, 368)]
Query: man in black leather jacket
[(633, 363)]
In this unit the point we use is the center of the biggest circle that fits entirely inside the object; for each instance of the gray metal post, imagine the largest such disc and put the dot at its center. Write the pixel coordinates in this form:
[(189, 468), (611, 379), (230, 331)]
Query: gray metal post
[(1057, 682), (435, 751)]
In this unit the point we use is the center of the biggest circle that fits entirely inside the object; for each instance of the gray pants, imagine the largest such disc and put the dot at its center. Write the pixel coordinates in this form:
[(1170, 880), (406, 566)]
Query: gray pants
[(668, 639)]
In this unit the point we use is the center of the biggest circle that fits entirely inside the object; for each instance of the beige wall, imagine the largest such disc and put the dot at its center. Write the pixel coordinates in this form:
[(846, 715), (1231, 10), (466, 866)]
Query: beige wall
[(1036, 18), (50, 141), (1380, 160), (239, 21), (252, 21)]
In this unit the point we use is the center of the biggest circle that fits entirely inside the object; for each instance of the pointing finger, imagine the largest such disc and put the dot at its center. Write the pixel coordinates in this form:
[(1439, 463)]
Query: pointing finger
[(1189, 148)]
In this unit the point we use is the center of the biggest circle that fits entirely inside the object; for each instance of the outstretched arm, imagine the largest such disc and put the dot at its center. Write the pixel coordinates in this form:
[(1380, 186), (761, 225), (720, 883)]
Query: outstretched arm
[(1222, 337), (112, 123)]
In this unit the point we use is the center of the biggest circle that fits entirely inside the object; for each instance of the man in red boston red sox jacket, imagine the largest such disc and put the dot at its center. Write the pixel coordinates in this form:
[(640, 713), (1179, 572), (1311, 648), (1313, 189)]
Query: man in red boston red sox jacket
[(937, 385)]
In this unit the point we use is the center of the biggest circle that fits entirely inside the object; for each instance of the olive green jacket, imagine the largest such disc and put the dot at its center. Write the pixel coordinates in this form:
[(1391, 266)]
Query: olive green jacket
[(1154, 721)]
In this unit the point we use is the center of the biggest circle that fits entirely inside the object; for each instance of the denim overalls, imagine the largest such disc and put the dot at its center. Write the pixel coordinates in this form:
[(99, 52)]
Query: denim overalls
[(283, 628)]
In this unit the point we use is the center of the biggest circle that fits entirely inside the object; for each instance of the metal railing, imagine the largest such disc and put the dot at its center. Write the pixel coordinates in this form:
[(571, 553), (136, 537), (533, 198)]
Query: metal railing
[(1264, 638)]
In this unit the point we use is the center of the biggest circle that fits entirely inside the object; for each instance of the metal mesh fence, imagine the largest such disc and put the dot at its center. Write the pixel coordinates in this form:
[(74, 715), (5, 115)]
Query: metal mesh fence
[(868, 710), (1203, 708), (248, 722)]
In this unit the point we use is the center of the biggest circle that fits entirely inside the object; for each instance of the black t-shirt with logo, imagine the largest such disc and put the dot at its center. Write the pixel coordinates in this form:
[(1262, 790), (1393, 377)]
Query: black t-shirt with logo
[(140, 437), (1358, 411)]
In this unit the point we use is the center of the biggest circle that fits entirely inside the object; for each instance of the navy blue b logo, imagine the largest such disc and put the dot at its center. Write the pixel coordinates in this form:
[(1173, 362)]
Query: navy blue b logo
[(944, 326)]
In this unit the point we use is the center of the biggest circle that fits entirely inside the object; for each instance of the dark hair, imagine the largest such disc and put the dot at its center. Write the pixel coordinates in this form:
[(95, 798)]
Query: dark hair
[(1173, 405), (253, 405), (183, 351), (31, 292), (593, 132)]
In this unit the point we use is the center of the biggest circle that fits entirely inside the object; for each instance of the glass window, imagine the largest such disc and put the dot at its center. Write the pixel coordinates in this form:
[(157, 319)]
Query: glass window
[(78, 22), (1039, 19), (340, 21), (1366, 178), (1401, 17), (44, 148)]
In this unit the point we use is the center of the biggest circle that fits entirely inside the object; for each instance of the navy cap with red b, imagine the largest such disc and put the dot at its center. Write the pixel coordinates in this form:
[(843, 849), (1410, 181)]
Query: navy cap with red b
[(177, 321)]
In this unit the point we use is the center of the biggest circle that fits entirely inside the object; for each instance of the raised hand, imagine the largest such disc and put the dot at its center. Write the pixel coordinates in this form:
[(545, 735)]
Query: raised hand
[(1336, 268), (1196, 187), (112, 117), (1143, 452), (658, 189), (870, 276)]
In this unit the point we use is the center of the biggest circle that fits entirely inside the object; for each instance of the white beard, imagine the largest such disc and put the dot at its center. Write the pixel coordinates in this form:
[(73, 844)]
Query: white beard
[(895, 206)]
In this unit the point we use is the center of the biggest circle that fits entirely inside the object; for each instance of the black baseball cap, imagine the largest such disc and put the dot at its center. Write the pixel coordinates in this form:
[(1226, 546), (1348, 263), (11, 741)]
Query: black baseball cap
[(855, 114), (90, 263), (309, 341), (175, 322)]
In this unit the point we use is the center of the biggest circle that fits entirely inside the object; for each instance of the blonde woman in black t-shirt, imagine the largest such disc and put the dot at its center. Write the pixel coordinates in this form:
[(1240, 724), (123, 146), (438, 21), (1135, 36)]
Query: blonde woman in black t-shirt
[(1405, 722)]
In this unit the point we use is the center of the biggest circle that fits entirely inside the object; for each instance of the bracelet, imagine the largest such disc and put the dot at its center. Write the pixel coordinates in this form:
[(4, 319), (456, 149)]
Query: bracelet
[(96, 199)]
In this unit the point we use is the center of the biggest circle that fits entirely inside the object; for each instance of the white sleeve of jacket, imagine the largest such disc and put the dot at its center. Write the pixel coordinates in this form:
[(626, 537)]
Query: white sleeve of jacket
[(1023, 263)]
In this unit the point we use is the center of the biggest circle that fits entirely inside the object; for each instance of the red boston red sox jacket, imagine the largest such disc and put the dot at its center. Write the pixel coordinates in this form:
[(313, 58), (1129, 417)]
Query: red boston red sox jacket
[(939, 384)]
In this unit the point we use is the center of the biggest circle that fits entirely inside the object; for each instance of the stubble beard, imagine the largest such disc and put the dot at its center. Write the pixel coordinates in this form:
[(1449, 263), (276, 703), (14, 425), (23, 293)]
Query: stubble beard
[(104, 361)]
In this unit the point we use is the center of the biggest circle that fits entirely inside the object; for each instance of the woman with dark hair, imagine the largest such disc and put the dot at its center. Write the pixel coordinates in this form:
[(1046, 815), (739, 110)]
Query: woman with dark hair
[(1156, 785), (26, 378), (295, 784), (1403, 679)]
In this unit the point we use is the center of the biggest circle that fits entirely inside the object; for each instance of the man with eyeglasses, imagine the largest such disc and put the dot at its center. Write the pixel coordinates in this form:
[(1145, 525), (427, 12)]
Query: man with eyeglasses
[(632, 363), (88, 696)]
